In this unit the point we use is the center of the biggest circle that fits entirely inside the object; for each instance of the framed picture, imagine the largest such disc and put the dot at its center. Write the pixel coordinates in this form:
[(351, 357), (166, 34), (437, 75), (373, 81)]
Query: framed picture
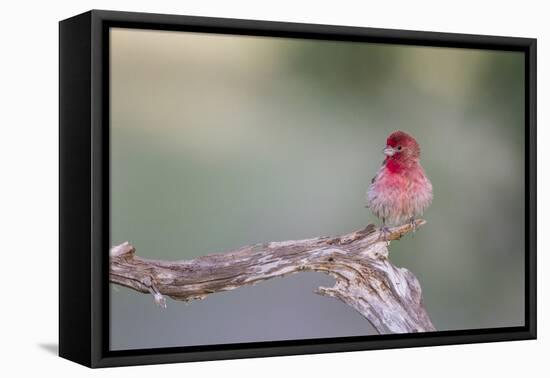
[(235, 188)]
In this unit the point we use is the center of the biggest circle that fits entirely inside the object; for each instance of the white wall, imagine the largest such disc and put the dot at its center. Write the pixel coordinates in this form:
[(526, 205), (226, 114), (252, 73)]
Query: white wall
[(28, 166)]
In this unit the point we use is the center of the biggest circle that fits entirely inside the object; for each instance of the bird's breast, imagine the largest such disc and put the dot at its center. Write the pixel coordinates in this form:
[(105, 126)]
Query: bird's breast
[(399, 196)]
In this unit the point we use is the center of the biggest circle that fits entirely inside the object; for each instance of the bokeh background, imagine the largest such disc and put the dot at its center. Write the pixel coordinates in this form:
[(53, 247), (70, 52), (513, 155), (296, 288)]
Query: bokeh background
[(222, 141)]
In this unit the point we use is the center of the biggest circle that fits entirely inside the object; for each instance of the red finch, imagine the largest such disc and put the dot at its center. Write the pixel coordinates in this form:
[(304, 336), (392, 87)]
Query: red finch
[(400, 191)]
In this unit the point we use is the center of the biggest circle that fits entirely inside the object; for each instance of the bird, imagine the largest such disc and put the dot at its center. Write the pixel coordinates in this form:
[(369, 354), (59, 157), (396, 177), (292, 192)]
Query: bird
[(400, 191)]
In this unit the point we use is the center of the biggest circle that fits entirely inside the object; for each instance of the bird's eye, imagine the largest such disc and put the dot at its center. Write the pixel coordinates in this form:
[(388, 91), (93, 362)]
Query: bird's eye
[(399, 148)]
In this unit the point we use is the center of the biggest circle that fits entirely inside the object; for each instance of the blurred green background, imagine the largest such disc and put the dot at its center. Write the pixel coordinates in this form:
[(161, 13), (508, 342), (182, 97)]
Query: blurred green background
[(222, 141)]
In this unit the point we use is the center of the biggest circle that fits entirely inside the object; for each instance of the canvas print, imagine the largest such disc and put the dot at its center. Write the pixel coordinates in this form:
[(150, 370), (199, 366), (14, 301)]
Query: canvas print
[(275, 189)]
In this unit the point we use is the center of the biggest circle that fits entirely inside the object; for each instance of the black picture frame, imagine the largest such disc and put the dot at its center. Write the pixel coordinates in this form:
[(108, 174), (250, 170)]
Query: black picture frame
[(84, 187)]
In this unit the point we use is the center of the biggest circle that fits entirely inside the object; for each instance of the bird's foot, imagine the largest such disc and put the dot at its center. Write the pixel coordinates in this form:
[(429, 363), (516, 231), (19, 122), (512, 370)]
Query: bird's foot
[(385, 233), (413, 224)]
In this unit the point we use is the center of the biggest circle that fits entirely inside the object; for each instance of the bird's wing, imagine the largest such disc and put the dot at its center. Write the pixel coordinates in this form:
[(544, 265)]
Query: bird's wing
[(371, 182), (377, 173)]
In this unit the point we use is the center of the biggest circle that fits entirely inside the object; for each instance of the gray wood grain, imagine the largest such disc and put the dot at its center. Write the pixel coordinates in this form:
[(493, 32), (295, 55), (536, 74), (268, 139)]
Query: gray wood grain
[(388, 296)]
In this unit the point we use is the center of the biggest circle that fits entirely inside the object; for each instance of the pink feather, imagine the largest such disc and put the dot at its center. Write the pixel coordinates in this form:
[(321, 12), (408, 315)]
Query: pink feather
[(400, 191)]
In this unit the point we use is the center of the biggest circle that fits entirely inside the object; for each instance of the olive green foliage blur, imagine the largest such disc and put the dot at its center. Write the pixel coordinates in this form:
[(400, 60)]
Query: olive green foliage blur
[(223, 141)]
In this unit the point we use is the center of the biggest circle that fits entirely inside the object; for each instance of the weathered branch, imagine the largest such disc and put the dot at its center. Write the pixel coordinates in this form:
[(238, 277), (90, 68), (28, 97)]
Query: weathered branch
[(389, 297)]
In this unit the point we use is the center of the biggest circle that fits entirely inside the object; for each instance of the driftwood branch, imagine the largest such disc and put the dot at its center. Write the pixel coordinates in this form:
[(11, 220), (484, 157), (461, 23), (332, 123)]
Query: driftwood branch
[(389, 297)]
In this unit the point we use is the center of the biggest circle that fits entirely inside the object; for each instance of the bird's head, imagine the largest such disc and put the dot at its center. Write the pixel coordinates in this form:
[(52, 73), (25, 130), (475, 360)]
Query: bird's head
[(402, 147)]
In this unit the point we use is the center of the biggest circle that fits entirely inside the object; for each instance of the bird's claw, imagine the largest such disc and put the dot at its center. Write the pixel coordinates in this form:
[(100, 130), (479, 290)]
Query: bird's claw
[(413, 225), (385, 232)]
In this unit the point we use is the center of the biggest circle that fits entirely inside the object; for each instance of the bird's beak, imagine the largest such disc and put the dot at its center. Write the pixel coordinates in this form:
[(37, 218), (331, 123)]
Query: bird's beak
[(389, 151)]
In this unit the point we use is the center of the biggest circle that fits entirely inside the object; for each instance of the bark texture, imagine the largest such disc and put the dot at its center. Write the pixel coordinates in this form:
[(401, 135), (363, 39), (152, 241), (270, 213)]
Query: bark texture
[(365, 279)]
